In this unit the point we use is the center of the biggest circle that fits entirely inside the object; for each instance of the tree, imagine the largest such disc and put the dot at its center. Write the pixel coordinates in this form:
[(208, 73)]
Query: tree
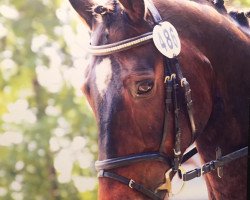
[(47, 133)]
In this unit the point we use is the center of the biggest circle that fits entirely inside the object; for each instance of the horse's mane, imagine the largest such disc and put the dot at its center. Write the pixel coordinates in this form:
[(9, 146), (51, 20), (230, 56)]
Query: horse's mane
[(240, 19)]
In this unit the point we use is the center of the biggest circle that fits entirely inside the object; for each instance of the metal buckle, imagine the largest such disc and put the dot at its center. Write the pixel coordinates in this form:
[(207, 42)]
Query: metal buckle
[(167, 78), (170, 78), (199, 172), (173, 76), (183, 81), (131, 182), (177, 153), (218, 156), (167, 185), (100, 173), (181, 171)]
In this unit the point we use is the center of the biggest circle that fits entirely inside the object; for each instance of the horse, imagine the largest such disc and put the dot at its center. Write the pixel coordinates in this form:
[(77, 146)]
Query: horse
[(150, 108)]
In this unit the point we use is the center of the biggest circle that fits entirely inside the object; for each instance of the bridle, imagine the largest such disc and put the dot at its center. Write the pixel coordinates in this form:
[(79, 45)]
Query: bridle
[(173, 81)]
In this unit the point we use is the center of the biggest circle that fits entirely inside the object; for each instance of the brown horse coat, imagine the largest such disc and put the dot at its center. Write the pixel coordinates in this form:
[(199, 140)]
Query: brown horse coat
[(215, 60)]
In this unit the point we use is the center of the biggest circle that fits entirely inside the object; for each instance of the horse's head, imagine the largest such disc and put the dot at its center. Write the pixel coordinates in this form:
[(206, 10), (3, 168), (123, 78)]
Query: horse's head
[(126, 91)]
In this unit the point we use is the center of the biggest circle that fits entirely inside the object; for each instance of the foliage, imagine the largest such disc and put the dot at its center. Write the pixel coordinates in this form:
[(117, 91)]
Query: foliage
[(239, 3), (47, 134)]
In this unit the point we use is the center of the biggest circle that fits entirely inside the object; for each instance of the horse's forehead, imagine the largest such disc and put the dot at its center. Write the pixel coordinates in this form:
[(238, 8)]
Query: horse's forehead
[(98, 35), (101, 32), (103, 75)]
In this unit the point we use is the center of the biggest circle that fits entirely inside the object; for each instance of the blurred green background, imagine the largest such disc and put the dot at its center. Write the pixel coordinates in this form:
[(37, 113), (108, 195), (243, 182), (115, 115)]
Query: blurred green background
[(48, 140)]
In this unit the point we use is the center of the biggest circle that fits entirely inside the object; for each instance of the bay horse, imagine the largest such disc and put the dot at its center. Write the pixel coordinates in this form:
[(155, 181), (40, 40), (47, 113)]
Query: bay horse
[(142, 100)]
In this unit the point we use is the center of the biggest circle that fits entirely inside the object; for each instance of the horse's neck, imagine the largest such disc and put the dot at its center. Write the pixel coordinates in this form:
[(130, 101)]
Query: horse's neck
[(228, 50), (225, 132), (216, 36), (227, 127)]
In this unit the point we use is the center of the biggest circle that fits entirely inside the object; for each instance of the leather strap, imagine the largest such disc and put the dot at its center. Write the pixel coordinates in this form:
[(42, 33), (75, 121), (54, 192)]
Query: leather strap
[(177, 146), (212, 165), (130, 183), (171, 97), (168, 101), (113, 163), (154, 12), (189, 103), (123, 45), (189, 155), (128, 160)]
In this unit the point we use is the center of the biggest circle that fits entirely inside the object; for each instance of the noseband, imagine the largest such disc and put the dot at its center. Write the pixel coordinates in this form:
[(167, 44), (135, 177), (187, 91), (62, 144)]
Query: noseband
[(173, 81)]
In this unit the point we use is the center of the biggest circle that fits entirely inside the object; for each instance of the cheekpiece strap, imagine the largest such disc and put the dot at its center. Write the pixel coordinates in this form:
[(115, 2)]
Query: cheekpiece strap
[(154, 12)]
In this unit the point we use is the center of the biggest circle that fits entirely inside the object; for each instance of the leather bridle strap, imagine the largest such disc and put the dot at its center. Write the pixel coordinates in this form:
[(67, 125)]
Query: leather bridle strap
[(168, 103), (212, 165), (123, 45), (189, 103), (189, 155), (113, 163), (154, 12), (171, 98), (130, 183), (177, 145)]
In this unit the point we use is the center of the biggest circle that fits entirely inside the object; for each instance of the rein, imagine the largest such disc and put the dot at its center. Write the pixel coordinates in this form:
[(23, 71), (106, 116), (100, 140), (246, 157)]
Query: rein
[(172, 81)]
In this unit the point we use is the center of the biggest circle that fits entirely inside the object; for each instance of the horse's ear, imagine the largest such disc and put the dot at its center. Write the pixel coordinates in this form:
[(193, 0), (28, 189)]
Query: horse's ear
[(135, 9), (84, 9)]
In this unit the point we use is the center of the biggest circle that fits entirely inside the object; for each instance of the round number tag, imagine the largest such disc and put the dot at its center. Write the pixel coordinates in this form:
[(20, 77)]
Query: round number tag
[(166, 39)]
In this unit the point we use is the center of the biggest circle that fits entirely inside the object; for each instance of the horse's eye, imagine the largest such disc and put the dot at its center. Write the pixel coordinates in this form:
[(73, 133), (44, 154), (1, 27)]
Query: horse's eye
[(144, 87)]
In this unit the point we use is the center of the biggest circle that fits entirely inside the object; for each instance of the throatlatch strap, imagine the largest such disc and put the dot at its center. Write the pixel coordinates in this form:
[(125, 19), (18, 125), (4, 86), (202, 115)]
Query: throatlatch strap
[(212, 165), (189, 155), (130, 183)]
